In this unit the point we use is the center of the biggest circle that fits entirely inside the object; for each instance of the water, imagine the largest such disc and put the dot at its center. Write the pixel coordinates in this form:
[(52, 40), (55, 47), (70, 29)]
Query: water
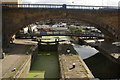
[(45, 66), (100, 66), (85, 51)]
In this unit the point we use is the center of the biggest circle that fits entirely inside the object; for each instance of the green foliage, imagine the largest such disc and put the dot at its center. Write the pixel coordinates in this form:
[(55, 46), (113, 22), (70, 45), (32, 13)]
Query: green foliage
[(76, 30)]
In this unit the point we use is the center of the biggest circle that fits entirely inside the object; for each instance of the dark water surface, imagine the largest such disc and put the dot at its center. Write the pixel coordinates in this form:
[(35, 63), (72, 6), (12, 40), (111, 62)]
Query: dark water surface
[(100, 66)]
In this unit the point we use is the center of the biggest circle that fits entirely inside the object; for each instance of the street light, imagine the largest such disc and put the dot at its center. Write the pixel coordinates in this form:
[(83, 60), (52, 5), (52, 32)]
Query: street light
[(102, 2)]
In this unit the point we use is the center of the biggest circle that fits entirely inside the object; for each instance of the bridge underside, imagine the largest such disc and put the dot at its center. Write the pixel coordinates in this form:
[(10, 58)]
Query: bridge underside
[(13, 19)]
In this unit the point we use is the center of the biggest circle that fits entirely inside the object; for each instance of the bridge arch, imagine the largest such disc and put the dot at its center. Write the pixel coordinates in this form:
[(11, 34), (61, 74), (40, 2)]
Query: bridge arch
[(16, 18)]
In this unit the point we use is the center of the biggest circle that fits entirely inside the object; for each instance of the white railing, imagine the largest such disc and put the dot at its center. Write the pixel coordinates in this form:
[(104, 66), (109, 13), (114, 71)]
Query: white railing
[(56, 6)]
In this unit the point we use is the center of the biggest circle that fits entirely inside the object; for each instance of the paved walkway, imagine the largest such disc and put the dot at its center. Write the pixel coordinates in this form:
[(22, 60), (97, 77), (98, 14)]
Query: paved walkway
[(15, 57), (66, 60)]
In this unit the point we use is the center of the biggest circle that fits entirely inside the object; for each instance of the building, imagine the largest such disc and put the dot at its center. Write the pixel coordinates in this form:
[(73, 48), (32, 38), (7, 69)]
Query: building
[(12, 2)]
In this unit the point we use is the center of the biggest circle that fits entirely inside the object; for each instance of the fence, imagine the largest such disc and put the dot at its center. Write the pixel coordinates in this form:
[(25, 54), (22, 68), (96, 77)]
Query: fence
[(58, 6)]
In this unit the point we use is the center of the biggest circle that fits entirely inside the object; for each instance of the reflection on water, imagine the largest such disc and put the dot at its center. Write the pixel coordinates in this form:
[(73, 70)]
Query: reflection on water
[(85, 51), (100, 65)]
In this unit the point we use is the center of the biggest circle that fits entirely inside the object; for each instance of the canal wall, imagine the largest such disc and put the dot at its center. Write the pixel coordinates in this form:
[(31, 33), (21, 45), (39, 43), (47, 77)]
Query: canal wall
[(102, 67), (25, 67), (108, 64), (104, 51), (66, 60), (107, 54), (34, 54), (47, 46)]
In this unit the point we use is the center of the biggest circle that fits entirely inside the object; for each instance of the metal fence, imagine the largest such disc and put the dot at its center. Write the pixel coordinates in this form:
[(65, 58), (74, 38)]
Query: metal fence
[(67, 33), (57, 6)]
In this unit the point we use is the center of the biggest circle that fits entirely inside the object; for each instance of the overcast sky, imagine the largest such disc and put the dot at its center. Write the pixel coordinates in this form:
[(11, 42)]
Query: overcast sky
[(76, 2)]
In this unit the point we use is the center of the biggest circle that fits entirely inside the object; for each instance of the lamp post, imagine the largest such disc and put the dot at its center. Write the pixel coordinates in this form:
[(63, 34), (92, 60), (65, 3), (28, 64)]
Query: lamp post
[(102, 2)]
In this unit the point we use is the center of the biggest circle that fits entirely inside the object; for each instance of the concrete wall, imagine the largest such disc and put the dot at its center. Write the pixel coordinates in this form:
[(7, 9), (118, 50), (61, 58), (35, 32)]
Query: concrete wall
[(25, 68), (11, 1), (47, 47)]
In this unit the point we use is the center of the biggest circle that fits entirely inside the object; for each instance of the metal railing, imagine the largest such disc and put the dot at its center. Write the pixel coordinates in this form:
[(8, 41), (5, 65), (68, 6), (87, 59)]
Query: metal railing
[(57, 6), (67, 33)]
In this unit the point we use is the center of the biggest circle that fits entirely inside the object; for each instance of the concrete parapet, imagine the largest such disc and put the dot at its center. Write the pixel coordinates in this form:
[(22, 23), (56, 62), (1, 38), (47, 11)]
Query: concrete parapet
[(25, 67)]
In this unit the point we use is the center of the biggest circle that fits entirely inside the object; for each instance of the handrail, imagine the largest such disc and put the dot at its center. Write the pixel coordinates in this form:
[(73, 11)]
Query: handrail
[(64, 6), (87, 34)]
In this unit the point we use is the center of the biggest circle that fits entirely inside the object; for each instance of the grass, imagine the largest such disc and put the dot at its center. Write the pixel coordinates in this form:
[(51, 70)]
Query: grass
[(45, 66)]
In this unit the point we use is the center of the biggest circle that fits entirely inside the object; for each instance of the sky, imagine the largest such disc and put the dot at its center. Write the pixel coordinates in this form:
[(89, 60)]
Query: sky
[(76, 2)]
